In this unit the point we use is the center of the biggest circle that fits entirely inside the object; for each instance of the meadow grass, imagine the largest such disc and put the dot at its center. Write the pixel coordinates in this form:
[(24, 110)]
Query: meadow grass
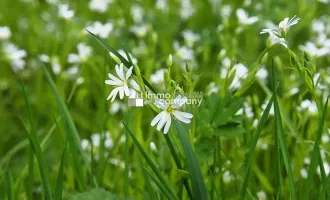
[(260, 132)]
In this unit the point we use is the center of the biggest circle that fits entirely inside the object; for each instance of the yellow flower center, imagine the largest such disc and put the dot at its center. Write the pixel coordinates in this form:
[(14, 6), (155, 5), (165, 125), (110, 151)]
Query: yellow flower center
[(169, 109)]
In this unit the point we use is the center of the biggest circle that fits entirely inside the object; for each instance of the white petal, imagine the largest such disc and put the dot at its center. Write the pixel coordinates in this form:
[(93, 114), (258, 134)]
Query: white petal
[(126, 89), (114, 82), (179, 116), (73, 58), (168, 124), (113, 77), (183, 114), (120, 71), (134, 85), (161, 103), (129, 72), (121, 92), (162, 121), (156, 119), (113, 94)]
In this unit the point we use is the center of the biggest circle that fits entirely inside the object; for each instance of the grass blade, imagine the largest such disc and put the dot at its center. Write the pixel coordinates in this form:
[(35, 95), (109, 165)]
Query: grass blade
[(72, 134), (32, 134), (315, 158), (151, 163), (253, 145), (197, 181), (60, 177), (283, 146), (158, 183)]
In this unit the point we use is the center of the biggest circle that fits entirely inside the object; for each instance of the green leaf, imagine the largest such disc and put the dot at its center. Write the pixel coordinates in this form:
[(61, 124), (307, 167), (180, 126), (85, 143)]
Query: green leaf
[(71, 132), (253, 145), (60, 177), (151, 163), (197, 181), (35, 143)]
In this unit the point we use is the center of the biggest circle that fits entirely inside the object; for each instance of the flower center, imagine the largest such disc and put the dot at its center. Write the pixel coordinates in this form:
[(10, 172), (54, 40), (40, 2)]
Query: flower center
[(169, 109)]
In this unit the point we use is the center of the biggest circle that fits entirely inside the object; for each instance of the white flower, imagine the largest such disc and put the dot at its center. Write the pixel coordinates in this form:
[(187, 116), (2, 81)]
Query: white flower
[(99, 5), (15, 56), (184, 52), (84, 52), (137, 13), (161, 5), (65, 12), (304, 173), (102, 30), (121, 83), (240, 73), (157, 77), (139, 30), (262, 73), (318, 26), (152, 146), (187, 9), (244, 19), (287, 23), (117, 106), (5, 33), (226, 177), (225, 11), (170, 110), (313, 50), (56, 66), (190, 37), (261, 195), (309, 105)]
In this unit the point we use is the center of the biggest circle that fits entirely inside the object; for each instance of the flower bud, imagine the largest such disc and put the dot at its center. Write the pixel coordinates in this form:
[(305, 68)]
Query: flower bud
[(115, 58), (137, 70)]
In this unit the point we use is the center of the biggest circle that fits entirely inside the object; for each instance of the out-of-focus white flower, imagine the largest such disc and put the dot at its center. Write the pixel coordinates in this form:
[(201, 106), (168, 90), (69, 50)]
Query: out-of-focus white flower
[(326, 168), (227, 177), (212, 88), (325, 138), (117, 106), (55, 64), (99, 5), (318, 26), (65, 12), (170, 109), (85, 144), (122, 53), (190, 37), (140, 30), (96, 139), (240, 73), (72, 71), (102, 30), (157, 77), (152, 146), (261, 195), (225, 11), (186, 9), (271, 111), (5, 33), (161, 5), (120, 83), (262, 73), (313, 50), (243, 17), (324, 1), (274, 39), (294, 91), (308, 105), (15, 56), (137, 13), (304, 173), (84, 52), (184, 52), (80, 80), (307, 161)]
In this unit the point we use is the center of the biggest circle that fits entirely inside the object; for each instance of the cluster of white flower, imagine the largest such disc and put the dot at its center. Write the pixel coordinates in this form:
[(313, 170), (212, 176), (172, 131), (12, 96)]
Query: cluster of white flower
[(277, 35), (125, 85)]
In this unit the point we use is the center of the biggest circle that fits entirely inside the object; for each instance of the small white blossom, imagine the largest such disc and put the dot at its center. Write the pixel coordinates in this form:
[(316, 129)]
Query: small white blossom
[(137, 13), (227, 177), (15, 56), (304, 173), (186, 9), (157, 77), (65, 12), (170, 110), (102, 30), (140, 30), (243, 17), (161, 5), (99, 5), (121, 83), (190, 37), (313, 50), (287, 23), (152, 146), (84, 52), (5, 33), (261, 195)]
